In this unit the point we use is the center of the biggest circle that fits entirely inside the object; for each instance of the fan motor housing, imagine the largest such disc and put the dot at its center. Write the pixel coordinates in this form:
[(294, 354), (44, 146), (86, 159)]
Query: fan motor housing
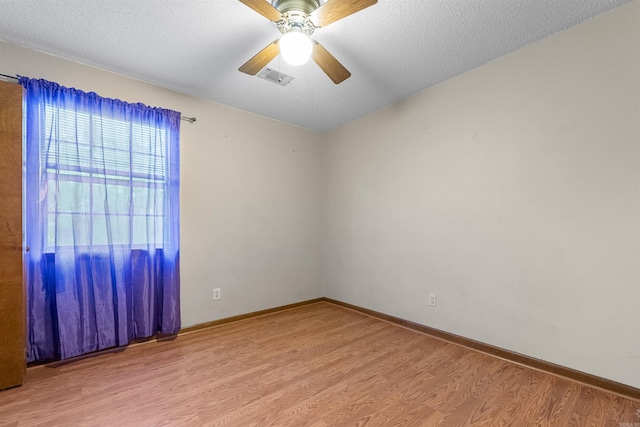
[(306, 6)]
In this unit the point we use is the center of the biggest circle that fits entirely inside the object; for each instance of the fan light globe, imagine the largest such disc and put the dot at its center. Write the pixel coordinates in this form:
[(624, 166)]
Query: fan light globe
[(295, 47)]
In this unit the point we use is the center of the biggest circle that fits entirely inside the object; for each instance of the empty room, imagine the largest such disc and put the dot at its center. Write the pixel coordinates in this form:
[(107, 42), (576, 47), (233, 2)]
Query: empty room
[(320, 213)]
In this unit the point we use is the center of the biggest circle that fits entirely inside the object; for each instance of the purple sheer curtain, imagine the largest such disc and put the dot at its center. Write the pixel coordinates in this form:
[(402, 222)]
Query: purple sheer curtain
[(101, 220)]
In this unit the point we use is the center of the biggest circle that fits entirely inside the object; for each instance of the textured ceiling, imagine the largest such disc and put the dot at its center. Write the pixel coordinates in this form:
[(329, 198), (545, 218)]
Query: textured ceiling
[(393, 49)]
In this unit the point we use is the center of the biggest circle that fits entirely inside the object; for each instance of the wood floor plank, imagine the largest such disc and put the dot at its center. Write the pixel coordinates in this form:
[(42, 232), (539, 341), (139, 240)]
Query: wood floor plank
[(317, 365)]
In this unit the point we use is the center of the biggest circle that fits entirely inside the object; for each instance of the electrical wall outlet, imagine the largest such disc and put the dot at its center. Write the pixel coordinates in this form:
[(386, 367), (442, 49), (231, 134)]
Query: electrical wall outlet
[(216, 294), (432, 300)]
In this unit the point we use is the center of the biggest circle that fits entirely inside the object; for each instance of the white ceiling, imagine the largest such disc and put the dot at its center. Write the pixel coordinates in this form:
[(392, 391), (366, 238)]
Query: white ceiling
[(393, 49)]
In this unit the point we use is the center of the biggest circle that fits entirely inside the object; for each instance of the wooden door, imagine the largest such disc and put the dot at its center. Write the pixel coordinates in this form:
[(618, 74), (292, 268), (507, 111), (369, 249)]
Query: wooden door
[(12, 294)]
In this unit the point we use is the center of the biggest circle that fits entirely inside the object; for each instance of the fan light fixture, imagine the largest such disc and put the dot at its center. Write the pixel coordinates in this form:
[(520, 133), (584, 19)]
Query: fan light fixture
[(297, 20), (296, 47)]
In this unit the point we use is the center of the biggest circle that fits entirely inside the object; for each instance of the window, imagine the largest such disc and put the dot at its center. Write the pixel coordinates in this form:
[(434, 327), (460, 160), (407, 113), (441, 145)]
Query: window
[(105, 180)]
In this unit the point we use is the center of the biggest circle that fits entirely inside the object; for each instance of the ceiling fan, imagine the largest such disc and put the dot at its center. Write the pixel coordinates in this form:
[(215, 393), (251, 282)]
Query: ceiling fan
[(297, 20)]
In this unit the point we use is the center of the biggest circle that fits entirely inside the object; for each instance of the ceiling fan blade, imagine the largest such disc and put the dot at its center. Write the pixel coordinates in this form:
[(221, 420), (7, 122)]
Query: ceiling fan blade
[(334, 10), (263, 8), (330, 65), (261, 59)]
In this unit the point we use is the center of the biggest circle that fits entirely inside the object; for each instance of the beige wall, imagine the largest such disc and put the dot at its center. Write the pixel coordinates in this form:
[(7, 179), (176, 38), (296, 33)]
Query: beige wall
[(513, 193), (250, 194)]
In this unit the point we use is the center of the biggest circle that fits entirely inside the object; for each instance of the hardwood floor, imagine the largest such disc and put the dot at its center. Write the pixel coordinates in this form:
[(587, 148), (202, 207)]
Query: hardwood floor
[(316, 365)]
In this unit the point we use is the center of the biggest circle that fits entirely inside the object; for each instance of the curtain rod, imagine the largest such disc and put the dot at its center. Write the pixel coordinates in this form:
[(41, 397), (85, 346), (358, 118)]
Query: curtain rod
[(185, 118)]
